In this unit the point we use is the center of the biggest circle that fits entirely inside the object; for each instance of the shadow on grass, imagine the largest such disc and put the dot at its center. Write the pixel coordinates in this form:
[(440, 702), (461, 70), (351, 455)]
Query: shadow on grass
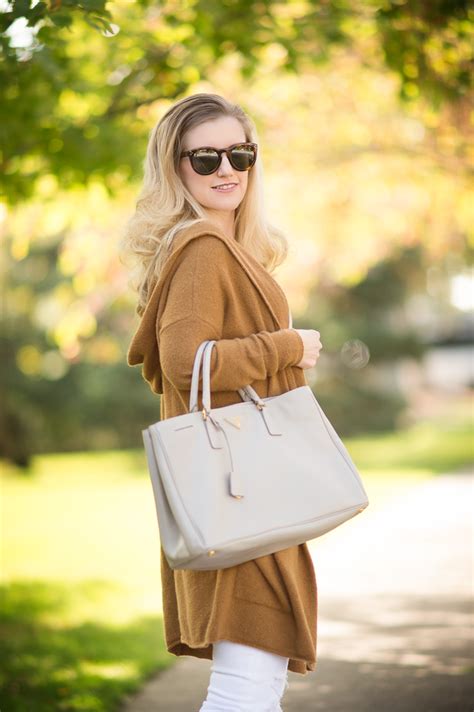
[(48, 664)]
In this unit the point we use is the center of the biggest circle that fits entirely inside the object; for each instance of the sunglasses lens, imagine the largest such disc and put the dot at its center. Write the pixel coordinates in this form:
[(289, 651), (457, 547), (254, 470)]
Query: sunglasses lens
[(205, 161), (243, 157)]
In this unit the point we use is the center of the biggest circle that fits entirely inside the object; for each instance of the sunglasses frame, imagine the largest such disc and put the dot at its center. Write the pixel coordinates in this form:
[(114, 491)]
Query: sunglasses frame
[(219, 152)]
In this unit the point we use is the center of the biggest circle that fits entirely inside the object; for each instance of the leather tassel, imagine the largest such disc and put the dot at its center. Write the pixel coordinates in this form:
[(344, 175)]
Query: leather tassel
[(235, 482)]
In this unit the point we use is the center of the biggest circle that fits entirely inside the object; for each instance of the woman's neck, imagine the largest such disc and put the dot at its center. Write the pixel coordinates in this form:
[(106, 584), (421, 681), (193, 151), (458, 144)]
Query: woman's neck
[(224, 221)]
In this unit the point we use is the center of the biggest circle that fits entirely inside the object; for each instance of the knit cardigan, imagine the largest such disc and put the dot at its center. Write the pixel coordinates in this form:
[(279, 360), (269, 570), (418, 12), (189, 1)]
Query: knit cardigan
[(211, 287)]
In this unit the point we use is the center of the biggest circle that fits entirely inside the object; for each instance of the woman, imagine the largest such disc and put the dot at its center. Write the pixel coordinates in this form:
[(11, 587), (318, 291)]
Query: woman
[(205, 253)]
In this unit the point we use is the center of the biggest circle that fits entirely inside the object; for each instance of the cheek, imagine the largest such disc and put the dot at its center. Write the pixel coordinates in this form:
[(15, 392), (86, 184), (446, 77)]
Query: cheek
[(191, 180)]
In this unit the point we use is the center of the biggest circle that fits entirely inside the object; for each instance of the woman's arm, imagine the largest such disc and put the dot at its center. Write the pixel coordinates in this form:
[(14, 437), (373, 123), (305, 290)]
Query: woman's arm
[(202, 282), (234, 362)]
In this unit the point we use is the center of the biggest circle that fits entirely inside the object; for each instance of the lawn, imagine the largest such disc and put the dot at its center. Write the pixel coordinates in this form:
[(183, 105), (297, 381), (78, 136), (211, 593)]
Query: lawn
[(81, 599)]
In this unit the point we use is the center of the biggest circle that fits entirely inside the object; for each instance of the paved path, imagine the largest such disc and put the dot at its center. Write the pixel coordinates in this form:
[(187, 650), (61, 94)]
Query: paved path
[(395, 613)]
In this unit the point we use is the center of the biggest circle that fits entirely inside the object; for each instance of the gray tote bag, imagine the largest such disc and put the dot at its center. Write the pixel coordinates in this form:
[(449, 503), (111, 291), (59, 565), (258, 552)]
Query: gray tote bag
[(241, 481)]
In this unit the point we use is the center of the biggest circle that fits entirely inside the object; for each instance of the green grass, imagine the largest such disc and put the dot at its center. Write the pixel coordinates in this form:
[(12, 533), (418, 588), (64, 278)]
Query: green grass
[(81, 621), (81, 618), (439, 445), (48, 664)]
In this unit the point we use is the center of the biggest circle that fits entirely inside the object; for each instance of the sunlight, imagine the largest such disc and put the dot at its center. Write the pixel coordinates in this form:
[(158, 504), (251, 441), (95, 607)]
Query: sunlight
[(462, 291)]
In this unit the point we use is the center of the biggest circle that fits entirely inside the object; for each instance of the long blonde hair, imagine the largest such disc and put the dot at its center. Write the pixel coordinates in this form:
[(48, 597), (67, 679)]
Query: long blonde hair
[(165, 206)]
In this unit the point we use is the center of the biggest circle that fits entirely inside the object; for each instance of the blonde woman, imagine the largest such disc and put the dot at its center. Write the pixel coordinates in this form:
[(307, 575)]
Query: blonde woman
[(205, 253)]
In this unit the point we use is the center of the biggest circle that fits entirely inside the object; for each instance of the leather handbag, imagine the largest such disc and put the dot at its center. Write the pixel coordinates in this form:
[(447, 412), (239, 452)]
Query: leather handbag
[(241, 481)]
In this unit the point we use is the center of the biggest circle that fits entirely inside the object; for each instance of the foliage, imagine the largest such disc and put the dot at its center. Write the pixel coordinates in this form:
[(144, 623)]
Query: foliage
[(430, 46), (364, 328), (59, 13), (49, 403), (74, 96), (354, 176)]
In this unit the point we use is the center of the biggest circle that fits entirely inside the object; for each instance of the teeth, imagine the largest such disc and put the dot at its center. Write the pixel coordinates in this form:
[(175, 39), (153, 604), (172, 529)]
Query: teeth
[(225, 187)]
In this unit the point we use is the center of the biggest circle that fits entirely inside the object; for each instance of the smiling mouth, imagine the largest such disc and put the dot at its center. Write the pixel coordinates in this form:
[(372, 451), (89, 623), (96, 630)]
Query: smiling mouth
[(224, 186)]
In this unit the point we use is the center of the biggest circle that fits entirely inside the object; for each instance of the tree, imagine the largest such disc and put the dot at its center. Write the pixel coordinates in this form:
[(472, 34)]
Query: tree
[(72, 98)]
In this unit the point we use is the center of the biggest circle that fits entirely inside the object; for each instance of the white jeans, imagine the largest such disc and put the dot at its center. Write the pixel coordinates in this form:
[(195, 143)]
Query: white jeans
[(245, 679)]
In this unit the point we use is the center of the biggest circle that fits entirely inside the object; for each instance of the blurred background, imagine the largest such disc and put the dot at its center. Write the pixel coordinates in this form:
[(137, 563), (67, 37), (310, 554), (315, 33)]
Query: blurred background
[(365, 121)]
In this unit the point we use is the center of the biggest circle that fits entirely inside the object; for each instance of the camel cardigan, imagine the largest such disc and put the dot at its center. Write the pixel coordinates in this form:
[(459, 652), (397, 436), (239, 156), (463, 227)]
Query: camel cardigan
[(211, 287)]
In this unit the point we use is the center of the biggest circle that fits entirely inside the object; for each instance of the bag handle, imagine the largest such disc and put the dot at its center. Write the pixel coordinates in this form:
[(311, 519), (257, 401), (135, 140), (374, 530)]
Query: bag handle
[(193, 396)]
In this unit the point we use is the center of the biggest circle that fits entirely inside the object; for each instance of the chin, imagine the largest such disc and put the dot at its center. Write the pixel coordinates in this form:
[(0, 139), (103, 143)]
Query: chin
[(223, 204)]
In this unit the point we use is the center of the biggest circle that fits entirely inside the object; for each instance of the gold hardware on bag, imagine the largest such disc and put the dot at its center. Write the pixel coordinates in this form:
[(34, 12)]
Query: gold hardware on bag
[(204, 414), (260, 406), (211, 552), (361, 509), (238, 496)]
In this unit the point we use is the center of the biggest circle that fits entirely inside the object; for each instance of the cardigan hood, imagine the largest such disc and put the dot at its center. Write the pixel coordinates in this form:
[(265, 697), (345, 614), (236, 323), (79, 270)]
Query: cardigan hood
[(144, 346)]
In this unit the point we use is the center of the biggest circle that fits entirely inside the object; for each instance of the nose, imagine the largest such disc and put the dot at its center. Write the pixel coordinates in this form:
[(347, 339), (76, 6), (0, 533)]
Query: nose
[(225, 169)]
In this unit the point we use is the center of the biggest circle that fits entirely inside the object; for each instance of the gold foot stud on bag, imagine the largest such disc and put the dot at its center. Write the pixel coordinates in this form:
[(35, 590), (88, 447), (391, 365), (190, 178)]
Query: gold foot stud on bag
[(211, 552)]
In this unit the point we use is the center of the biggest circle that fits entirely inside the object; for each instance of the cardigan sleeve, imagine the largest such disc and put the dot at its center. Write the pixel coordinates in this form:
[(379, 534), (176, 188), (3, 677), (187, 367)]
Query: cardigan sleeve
[(202, 282), (234, 362)]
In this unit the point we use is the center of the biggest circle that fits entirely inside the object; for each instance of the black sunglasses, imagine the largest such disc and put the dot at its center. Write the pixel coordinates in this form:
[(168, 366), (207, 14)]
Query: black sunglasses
[(206, 160)]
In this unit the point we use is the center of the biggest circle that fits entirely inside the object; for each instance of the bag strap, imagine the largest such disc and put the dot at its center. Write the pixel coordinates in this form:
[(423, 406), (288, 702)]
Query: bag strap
[(193, 396)]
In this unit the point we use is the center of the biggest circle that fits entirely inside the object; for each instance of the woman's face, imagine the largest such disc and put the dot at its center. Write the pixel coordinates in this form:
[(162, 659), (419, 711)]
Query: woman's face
[(218, 133)]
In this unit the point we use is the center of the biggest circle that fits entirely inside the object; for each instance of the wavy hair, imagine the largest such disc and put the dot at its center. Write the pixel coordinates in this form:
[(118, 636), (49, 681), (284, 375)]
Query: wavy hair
[(165, 206)]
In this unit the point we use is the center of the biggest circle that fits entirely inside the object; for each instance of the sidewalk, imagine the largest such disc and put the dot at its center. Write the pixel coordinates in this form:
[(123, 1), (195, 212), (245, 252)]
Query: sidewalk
[(395, 614)]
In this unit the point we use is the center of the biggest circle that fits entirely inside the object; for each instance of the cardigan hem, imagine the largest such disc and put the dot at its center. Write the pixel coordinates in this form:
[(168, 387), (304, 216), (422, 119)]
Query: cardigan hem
[(203, 650)]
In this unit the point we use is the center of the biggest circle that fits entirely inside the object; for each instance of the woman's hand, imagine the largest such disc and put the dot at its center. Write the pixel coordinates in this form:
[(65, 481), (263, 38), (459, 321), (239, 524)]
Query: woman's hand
[(312, 347)]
